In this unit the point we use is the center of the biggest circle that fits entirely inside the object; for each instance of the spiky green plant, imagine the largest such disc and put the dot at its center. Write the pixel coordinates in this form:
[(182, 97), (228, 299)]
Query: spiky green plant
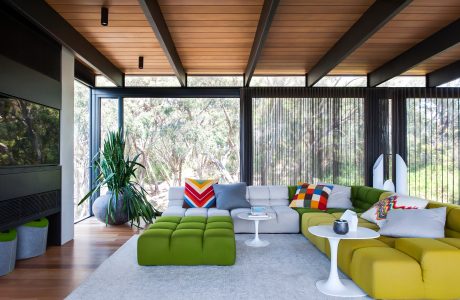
[(119, 175)]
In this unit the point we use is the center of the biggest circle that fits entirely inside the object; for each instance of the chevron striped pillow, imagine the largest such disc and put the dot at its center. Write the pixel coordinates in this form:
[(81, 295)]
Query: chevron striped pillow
[(199, 193)]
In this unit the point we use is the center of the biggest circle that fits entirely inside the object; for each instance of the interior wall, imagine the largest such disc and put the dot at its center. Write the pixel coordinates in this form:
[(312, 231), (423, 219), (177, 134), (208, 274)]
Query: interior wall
[(66, 145)]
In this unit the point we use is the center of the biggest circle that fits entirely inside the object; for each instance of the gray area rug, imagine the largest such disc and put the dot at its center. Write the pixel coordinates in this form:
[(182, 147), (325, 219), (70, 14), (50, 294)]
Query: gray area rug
[(286, 269)]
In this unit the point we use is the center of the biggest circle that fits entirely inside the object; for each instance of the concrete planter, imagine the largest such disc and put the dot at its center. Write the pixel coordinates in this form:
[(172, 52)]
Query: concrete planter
[(100, 209)]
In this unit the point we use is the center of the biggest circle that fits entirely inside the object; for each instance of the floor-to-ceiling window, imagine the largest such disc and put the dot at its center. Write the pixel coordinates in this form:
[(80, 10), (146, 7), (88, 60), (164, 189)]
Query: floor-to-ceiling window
[(109, 117), (82, 95), (179, 138), (433, 142)]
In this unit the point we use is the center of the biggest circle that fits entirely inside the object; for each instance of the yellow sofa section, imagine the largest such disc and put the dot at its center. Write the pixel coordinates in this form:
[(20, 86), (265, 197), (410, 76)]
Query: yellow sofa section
[(398, 268)]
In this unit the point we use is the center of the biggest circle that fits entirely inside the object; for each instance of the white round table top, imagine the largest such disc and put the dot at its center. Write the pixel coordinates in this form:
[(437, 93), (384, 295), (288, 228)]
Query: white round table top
[(326, 231), (248, 216)]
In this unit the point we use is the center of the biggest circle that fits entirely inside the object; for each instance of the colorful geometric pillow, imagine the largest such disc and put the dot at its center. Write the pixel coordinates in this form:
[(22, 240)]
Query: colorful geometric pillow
[(378, 212), (199, 193), (311, 196)]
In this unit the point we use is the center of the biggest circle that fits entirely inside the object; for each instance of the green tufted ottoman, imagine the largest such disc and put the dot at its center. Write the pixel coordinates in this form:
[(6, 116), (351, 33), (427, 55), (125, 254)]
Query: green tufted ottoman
[(188, 241)]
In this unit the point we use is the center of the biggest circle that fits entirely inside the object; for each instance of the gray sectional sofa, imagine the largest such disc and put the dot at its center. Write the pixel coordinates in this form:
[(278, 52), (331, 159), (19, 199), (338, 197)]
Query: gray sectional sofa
[(274, 198)]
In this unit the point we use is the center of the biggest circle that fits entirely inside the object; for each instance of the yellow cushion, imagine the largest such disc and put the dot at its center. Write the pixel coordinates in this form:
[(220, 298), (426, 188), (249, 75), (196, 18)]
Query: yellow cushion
[(440, 263), (369, 225), (386, 273), (337, 215), (451, 241), (452, 218), (390, 241), (451, 233), (308, 221), (347, 249)]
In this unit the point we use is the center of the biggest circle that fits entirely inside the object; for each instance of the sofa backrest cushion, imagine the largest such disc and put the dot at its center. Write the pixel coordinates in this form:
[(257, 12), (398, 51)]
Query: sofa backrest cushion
[(176, 196), (363, 197), (452, 220), (292, 189), (267, 195)]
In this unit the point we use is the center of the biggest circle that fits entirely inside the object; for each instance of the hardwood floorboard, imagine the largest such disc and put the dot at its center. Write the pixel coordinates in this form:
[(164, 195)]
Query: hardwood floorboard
[(58, 272)]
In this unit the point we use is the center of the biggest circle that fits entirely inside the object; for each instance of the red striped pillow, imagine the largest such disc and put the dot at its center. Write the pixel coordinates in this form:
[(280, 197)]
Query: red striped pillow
[(199, 193)]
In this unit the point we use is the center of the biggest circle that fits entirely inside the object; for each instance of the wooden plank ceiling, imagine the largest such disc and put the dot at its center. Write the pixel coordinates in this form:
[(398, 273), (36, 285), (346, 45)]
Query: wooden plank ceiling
[(417, 21), (215, 37), (303, 31), (127, 36), (212, 37)]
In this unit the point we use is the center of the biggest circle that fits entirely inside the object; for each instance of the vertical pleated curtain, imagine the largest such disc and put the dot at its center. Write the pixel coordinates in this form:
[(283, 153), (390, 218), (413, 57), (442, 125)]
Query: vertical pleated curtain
[(308, 135), (433, 142)]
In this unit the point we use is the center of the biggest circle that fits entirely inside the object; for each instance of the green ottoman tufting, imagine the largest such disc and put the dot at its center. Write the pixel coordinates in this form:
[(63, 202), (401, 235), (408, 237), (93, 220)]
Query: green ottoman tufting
[(188, 241)]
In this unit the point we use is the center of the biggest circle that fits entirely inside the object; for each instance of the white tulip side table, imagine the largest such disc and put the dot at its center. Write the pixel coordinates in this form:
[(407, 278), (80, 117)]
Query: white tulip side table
[(334, 286), (256, 242)]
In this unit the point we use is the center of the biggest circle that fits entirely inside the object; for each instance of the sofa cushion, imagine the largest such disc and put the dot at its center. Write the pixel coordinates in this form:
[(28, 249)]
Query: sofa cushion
[(199, 211), (311, 195), (363, 197), (285, 221), (451, 241), (231, 196), (421, 223), (278, 195), (439, 262), (378, 212), (212, 212), (291, 191), (340, 196), (347, 249), (174, 211), (386, 273), (302, 210), (258, 195), (176, 196), (199, 193)]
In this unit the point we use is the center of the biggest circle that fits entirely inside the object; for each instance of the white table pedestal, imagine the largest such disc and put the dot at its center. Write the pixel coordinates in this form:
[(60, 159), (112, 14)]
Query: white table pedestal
[(256, 242), (334, 286)]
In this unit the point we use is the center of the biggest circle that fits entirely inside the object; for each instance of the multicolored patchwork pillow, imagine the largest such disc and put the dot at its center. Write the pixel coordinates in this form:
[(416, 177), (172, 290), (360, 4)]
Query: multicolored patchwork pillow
[(378, 212), (311, 196), (199, 193)]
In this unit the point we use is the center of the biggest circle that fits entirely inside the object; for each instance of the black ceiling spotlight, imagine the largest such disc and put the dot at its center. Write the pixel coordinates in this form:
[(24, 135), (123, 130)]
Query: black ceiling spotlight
[(104, 16), (141, 62)]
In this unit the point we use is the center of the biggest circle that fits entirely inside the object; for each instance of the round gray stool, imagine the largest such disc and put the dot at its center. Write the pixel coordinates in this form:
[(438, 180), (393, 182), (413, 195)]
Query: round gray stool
[(32, 239), (8, 243)]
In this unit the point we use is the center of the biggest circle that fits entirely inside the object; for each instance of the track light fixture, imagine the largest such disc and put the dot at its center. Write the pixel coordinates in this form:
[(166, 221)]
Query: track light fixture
[(104, 16), (141, 62)]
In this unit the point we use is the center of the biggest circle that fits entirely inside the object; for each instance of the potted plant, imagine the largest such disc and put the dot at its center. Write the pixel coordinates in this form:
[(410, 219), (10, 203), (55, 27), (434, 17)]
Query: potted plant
[(126, 199)]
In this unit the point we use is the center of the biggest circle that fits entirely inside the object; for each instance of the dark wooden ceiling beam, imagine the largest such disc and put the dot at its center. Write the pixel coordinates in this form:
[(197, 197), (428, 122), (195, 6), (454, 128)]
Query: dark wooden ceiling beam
[(370, 22), (434, 44), (263, 27), (153, 14), (443, 75), (42, 15)]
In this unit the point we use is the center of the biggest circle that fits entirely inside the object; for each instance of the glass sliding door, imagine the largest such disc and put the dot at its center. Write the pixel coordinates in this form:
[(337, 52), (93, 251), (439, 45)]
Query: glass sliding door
[(180, 138), (82, 95)]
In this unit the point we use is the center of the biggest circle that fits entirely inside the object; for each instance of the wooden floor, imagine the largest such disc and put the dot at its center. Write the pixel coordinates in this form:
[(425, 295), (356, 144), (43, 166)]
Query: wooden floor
[(58, 272)]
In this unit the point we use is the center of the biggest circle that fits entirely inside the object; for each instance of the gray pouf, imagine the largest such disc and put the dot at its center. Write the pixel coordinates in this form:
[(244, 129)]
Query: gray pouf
[(32, 238), (8, 243)]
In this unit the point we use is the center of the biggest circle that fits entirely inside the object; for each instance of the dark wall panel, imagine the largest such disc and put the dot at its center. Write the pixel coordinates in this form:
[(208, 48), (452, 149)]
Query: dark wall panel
[(19, 182), (24, 43), (20, 81)]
